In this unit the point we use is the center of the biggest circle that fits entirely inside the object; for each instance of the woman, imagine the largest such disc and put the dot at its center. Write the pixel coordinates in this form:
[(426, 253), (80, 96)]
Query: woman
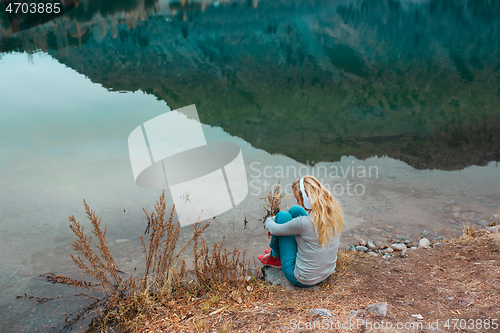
[(305, 240)]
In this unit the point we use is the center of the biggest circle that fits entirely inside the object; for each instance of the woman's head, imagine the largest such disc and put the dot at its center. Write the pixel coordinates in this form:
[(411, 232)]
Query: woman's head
[(325, 211)]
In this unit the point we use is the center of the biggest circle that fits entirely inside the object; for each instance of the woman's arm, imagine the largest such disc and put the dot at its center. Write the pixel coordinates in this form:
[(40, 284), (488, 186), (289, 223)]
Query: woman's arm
[(292, 227)]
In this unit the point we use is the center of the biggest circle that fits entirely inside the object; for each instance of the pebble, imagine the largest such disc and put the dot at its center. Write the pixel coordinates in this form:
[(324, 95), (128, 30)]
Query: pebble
[(361, 248), (387, 229), (373, 253), (409, 244), (404, 253), (424, 242), (352, 248), (371, 245), (398, 247), (320, 312), (362, 242), (414, 247), (388, 250), (438, 243), (353, 313), (450, 298), (378, 309)]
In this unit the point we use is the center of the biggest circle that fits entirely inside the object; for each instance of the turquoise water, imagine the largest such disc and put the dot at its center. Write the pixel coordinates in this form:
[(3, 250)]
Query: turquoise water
[(408, 90)]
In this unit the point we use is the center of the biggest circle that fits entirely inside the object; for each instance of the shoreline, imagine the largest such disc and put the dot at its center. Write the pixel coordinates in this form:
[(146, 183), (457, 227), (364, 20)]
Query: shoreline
[(454, 281)]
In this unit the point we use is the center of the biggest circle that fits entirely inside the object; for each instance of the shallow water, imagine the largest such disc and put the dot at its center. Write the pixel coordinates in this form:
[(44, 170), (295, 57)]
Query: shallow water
[(331, 88)]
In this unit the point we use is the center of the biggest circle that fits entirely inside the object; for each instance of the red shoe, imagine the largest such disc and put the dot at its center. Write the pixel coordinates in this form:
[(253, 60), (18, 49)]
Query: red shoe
[(266, 251), (269, 260)]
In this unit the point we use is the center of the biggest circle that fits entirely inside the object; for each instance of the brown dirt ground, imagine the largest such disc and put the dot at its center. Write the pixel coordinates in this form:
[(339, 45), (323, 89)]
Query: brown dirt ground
[(457, 281)]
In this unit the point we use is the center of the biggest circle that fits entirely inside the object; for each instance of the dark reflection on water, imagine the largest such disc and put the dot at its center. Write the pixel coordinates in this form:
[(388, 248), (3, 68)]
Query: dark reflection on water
[(314, 80)]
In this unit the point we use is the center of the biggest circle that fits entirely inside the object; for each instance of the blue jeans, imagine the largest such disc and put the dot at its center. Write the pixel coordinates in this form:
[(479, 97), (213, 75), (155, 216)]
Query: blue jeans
[(285, 247)]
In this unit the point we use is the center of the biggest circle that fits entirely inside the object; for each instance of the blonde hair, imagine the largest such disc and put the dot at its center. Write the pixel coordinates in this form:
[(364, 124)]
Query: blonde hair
[(326, 214)]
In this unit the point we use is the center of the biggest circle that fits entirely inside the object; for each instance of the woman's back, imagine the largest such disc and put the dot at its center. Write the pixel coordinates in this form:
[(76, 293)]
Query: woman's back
[(314, 263)]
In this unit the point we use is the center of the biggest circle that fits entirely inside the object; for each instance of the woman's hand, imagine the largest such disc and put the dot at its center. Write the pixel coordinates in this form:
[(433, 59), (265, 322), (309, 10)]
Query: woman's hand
[(268, 234)]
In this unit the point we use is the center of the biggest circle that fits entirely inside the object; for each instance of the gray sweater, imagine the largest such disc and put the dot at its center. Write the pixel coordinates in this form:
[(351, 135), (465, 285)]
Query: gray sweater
[(314, 263)]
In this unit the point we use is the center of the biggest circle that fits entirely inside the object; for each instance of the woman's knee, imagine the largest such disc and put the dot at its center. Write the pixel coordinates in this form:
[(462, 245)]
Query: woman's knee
[(283, 217), (297, 211)]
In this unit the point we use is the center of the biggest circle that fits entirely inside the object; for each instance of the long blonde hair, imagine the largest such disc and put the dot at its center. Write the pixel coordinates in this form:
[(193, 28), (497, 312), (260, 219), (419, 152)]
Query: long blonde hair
[(326, 213)]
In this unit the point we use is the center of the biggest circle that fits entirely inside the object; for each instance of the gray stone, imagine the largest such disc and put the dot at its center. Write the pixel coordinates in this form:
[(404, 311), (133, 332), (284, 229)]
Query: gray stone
[(320, 312), (404, 253), (424, 242), (375, 254), (361, 248), (437, 243), (493, 229), (371, 245), (388, 250), (378, 309), (398, 246), (275, 277), (352, 248)]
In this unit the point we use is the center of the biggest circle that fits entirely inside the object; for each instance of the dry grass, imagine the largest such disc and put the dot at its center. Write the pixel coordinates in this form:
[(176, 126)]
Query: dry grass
[(272, 201), (129, 303)]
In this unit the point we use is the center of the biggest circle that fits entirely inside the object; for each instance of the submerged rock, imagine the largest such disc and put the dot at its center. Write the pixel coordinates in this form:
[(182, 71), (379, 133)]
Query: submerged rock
[(481, 222), (123, 240)]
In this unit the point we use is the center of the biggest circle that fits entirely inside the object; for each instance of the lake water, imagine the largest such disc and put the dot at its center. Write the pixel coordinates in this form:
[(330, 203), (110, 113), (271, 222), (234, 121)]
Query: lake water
[(392, 104)]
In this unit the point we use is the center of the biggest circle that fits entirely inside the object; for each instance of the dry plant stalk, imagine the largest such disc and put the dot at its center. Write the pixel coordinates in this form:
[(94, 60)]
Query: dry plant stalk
[(272, 201), (220, 268), (160, 258), (51, 277), (103, 268), (128, 303)]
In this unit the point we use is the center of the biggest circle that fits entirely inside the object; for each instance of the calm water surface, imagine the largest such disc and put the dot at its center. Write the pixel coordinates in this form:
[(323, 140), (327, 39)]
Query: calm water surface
[(393, 104)]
